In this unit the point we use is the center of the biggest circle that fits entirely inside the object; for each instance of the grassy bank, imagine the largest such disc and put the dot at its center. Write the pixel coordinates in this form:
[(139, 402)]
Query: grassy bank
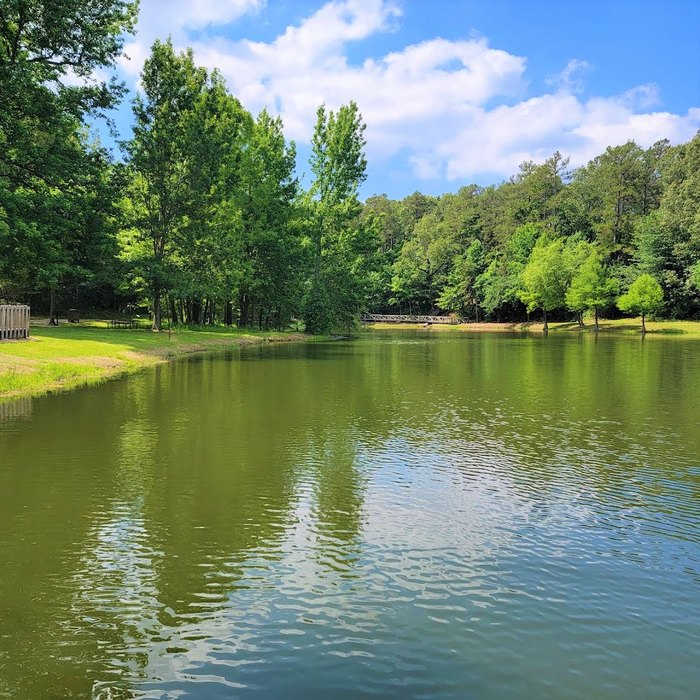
[(70, 356), (618, 326)]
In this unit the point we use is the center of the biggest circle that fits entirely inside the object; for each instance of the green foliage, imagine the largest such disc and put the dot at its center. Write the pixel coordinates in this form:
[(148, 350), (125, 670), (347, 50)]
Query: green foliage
[(694, 276), (342, 243), (337, 155), (319, 316), (500, 284), (549, 270), (424, 266), (640, 207), (592, 288), (546, 276), (206, 221), (55, 207), (460, 292), (210, 201), (161, 192), (271, 255), (644, 297), (619, 186), (654, 244)]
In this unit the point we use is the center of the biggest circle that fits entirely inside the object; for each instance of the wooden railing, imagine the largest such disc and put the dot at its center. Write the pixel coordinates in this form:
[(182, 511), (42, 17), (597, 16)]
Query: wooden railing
[(14, 321), (406, 318)]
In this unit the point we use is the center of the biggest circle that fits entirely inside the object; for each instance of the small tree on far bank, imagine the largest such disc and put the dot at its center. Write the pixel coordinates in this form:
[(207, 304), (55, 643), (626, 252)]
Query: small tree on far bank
[(592, 288), (546, 278), (644, 297)]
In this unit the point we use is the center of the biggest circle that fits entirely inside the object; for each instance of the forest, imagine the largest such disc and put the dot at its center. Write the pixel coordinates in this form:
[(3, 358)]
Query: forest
[(200, 216)]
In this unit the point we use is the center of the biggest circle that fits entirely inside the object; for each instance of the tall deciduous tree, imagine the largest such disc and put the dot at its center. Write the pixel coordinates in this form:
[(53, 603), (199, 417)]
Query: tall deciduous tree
[(501, 282), (460, 293), (49, 53), (341, 242), (207, 245), (271, 255), (158, 157)]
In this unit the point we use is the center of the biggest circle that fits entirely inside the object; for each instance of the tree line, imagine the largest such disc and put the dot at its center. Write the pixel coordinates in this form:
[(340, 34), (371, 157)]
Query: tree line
[(621, 233), (203, 219)]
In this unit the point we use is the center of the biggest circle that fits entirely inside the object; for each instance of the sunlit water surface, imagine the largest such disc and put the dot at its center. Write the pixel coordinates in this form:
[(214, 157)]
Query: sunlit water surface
[(426, 515)]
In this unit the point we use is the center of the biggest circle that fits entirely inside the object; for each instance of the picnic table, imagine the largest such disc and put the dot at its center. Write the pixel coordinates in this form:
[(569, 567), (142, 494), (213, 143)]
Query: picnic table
[(123, 323)]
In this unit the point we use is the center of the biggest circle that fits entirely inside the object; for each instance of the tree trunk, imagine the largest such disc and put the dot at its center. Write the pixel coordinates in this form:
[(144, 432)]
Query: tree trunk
[(244, 310), (317, 254), (228, 313), (545, 327), (596, 320), (156, 310), (580, 319), (644, 325), (252, 313), (173, 312), (53, 318), (196, 311)]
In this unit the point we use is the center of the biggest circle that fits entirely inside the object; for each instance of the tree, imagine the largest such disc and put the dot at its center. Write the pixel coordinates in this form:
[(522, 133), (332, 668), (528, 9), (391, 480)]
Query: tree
[(50, 53), (271, 265), (546, 277), (42, 43), (460, 293), (206, 245), (536, 189), (500, 283), (614, 185), (421, 269), (644, 297), (592, 287), (341, 242), (158, 160)]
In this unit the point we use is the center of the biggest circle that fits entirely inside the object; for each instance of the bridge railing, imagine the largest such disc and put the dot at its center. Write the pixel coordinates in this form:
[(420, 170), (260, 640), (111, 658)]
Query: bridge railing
[(407, 318)]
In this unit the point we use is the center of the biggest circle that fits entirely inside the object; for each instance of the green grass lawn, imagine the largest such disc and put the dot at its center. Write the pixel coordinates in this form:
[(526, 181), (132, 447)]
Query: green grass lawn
[(71, 355)]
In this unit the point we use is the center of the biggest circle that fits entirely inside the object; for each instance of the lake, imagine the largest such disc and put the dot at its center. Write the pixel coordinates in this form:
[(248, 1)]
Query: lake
[(410, 514)]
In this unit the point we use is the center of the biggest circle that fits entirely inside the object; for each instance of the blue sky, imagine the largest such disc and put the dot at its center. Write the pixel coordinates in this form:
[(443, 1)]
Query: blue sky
[(452, 91)]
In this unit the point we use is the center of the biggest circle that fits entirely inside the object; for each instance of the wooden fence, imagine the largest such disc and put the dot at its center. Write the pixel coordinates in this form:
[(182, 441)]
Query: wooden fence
[(14, 321)]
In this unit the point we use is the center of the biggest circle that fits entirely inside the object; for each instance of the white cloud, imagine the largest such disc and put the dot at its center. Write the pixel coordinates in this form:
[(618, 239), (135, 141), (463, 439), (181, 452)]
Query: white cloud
[(434, 103), (408, 98), (570, 79), (163, 18), (498, 140)]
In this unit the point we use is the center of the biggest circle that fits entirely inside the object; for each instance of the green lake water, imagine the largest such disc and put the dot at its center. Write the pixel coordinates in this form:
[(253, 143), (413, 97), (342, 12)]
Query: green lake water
[(404, 515)]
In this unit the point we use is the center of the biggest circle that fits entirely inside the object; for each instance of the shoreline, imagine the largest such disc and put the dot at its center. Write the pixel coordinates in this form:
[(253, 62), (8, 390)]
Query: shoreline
[(622, 326), (68, 357), (62, 358)]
